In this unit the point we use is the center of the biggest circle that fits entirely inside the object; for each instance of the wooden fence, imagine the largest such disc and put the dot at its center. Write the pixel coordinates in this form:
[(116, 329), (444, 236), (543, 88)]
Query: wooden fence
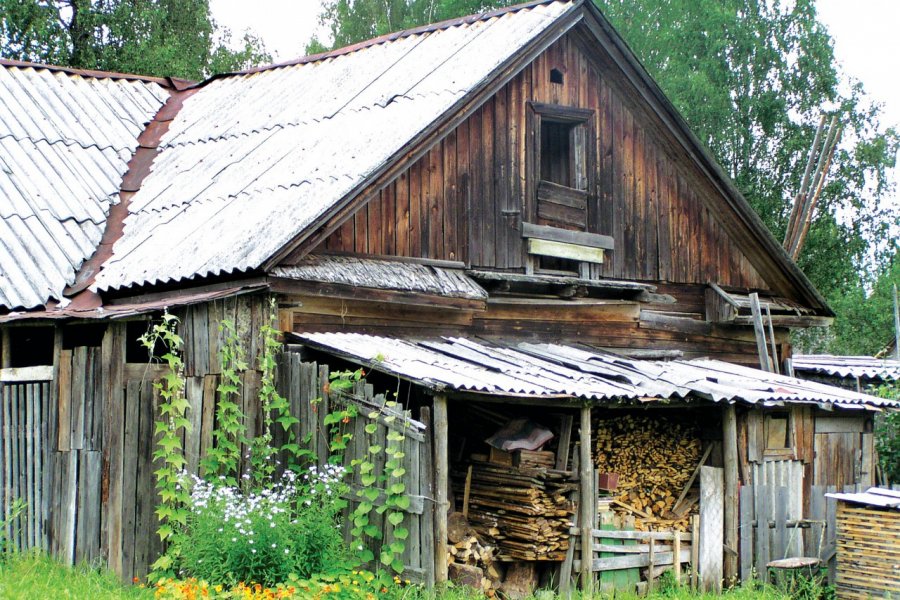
[(78, 450)]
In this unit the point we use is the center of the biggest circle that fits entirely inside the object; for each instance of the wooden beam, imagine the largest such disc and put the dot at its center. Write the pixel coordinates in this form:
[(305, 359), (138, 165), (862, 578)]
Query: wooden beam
[(586, 502), (20, 374), (578, 238), (760, 331), (730, 458), (567, 251), (441, 492)]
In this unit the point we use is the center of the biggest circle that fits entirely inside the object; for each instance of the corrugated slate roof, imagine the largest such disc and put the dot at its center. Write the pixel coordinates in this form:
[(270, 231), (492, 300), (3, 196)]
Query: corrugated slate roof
[(65, 142), (251, 160), (880, 497), (559, 371), (863, 367), (384, 275)]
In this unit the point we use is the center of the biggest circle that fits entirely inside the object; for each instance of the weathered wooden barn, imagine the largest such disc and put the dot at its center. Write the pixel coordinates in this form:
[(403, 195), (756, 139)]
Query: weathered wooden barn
[(500, 217)]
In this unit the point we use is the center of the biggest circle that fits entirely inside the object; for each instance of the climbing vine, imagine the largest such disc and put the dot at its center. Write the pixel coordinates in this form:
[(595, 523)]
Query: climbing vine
[(223, 459), (371, 485), (172, 509)]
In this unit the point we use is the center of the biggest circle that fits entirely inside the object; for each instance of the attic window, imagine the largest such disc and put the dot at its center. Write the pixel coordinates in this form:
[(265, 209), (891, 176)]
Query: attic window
[(562, 165), (778, 434), (135, 351), (30, 346), (556, 76)]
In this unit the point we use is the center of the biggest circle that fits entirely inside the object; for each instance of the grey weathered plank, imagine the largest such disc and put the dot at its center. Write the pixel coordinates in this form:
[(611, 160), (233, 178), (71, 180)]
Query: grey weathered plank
[(746, 533), (427, 487), (711, 528), (780, 539), (79, 368), (131, 431), (762, 531)]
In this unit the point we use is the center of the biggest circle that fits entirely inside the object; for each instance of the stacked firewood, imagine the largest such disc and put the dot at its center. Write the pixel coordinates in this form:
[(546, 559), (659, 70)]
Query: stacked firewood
[(524, 511), (472, 559), (654, 459)]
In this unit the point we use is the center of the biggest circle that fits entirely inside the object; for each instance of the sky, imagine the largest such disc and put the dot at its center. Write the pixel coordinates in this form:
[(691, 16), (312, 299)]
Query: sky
[(864, 31)]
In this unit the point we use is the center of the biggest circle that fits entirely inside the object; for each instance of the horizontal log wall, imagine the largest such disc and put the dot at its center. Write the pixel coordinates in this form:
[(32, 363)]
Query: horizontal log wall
[(613, 325), (465, 199)]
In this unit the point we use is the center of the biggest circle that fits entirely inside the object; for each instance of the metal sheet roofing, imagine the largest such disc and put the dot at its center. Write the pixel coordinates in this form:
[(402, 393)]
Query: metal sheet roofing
[(251, 160), (558, 371), (65, 142), (385, 275), (880, 497), (863, 367)]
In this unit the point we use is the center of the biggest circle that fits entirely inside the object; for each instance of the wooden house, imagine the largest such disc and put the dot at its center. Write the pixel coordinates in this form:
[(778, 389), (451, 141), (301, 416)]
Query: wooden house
[(500, 217)]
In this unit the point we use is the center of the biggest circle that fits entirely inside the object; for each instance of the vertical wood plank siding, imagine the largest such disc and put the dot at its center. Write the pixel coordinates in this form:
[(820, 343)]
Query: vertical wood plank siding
[(470, 187), (79, 449)]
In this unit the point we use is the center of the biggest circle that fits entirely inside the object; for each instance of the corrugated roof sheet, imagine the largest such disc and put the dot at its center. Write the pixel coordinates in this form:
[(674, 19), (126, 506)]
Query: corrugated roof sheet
[(881, 497), (554, 371), (251, 160), (384, 275), (65, 141), (864, 367)]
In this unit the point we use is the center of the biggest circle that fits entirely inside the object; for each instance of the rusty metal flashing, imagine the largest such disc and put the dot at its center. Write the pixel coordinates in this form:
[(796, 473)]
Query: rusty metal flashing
[(138, 168), (87, 304)]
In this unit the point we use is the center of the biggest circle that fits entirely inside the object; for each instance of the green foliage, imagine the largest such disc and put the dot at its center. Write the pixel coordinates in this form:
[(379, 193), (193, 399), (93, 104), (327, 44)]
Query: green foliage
[(16, 509), (153, 37), (865, 323), (887, 435), (752, 78), (29, 576), (283, 530), (224, 458), (173, 497)]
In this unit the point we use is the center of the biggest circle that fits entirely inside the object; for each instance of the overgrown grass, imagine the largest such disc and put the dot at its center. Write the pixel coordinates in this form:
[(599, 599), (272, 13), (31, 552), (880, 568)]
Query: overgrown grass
[(37, 577)]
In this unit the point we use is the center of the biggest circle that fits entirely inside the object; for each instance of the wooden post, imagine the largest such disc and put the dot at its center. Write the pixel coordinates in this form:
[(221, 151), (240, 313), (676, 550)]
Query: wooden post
[(711, 521), (441, 470), (651, 556), (586, 502), (5, 358), (676, 553), (695, 551), (760, 332), (730, 458)]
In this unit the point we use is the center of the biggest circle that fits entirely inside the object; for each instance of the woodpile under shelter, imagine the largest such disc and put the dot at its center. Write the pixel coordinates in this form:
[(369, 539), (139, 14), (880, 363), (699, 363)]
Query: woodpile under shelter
[(504, 220)]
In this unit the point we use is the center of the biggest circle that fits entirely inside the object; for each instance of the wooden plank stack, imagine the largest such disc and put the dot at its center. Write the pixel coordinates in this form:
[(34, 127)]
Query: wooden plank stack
[(868, 552), (524, 511), (654, 459)]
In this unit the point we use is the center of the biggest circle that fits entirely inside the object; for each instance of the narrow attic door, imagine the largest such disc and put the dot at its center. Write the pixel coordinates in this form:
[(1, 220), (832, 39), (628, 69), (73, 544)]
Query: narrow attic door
[(558, 205)]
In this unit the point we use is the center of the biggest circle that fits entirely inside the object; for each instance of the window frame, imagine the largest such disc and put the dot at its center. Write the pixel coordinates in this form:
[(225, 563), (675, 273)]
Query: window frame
[(537, 113)]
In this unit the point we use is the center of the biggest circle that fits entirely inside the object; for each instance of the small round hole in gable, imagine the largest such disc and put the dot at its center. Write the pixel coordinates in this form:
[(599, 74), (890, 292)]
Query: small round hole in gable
[(556, 76)]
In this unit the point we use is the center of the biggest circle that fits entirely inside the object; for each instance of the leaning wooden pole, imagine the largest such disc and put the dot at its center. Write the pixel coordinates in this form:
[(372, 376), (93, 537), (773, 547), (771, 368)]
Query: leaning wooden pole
[(816, 193), (586, 502), (804, 186), (731, 509), (441, 492)]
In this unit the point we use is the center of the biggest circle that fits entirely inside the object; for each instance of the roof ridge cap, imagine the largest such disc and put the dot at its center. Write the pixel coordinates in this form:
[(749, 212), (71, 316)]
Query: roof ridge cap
[(172, 83)]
